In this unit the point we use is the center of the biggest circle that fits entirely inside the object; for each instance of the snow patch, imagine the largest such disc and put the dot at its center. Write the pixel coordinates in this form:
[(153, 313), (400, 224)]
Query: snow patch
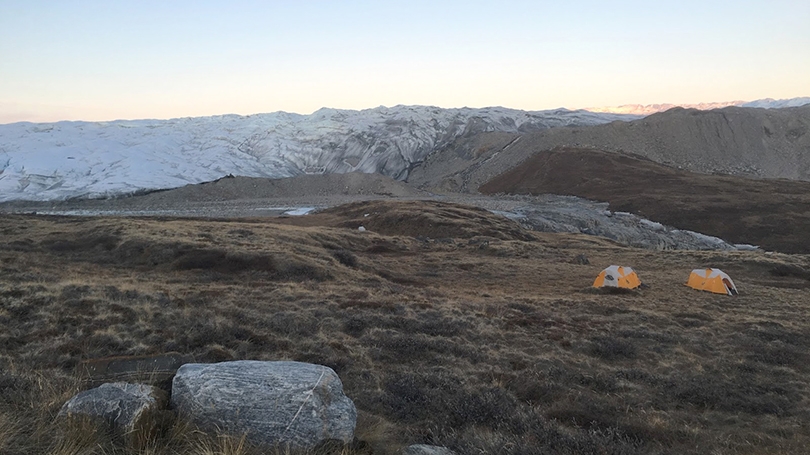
[(300, 211)]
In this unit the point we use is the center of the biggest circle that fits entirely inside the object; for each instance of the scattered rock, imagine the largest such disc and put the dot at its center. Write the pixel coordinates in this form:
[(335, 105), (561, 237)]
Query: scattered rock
[(425, 449), (134, 413), (289, 405)]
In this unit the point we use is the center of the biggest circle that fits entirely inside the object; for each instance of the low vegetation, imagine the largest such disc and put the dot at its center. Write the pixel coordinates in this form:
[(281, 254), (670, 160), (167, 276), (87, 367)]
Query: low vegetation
[(482, 343)]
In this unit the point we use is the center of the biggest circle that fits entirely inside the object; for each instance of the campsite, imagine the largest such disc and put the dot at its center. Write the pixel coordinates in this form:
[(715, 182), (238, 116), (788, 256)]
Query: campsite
[(477, 335), (404, 228), (468, 321)]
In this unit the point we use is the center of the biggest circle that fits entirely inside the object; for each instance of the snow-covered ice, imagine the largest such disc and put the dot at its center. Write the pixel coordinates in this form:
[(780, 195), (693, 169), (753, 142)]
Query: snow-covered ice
[(63, 160)]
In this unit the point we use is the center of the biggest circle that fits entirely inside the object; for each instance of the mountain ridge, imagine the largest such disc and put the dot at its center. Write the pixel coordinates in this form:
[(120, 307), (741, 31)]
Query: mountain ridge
[(64, 160), (758, 143), (649, 109)]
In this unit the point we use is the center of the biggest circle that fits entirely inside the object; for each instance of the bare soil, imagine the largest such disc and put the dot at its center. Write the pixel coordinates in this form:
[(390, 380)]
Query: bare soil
[(485, 341)]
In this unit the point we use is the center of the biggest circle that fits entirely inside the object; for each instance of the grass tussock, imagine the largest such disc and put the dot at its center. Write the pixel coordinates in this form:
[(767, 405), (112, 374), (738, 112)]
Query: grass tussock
[(494, 349)]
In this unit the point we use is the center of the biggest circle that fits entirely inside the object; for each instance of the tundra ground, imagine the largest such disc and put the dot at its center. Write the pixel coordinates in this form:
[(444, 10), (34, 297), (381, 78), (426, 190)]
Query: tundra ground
[(447, 324)]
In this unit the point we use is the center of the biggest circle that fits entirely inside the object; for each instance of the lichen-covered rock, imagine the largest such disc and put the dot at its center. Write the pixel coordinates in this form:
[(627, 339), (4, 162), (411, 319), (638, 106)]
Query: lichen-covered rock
[(278, 404), (424, 449), (134, 412)]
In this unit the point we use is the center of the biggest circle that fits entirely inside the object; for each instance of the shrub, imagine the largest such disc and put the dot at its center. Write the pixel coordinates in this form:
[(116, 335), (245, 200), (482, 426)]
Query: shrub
[(610, 348), (223, 261), (345, 257), (741, 393)]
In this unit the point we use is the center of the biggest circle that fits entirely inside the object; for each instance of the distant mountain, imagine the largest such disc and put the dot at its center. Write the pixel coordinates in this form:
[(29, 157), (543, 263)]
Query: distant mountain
[(52, 161), (55, 161), (770, 103), (648, 109), (761, 143)]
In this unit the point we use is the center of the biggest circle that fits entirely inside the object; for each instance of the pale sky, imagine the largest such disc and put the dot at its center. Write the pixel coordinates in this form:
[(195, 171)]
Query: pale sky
[(112, 59)]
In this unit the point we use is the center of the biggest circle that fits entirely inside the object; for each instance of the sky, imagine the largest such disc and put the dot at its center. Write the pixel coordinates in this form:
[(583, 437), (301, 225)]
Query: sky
[(117, 59)]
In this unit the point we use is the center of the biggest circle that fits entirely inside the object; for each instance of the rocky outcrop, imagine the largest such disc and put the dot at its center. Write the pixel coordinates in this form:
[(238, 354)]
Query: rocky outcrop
[(277, 404), (133, 412)]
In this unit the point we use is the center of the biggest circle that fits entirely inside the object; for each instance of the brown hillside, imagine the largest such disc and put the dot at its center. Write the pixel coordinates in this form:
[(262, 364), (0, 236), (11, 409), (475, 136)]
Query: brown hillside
[(761, 143), (773, 214)]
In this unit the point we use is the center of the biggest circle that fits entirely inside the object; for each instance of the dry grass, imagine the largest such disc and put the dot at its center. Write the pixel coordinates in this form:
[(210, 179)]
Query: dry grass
[(482, 344)]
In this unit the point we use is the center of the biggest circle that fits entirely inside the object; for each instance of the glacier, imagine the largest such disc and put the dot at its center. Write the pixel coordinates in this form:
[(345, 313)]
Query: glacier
[(66, 160)]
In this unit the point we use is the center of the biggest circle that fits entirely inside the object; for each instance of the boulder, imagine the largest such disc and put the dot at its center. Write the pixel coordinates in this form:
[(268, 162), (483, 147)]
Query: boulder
[(289, 405), (424, 449), (133, 412)]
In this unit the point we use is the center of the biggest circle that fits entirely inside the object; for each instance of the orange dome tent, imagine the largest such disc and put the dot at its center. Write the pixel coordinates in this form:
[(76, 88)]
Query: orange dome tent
[(617, 276), (712, 280)]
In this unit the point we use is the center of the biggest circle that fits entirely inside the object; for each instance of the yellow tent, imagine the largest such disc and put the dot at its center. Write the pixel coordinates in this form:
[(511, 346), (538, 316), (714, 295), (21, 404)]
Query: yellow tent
[(712, 280), (617, 276)]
